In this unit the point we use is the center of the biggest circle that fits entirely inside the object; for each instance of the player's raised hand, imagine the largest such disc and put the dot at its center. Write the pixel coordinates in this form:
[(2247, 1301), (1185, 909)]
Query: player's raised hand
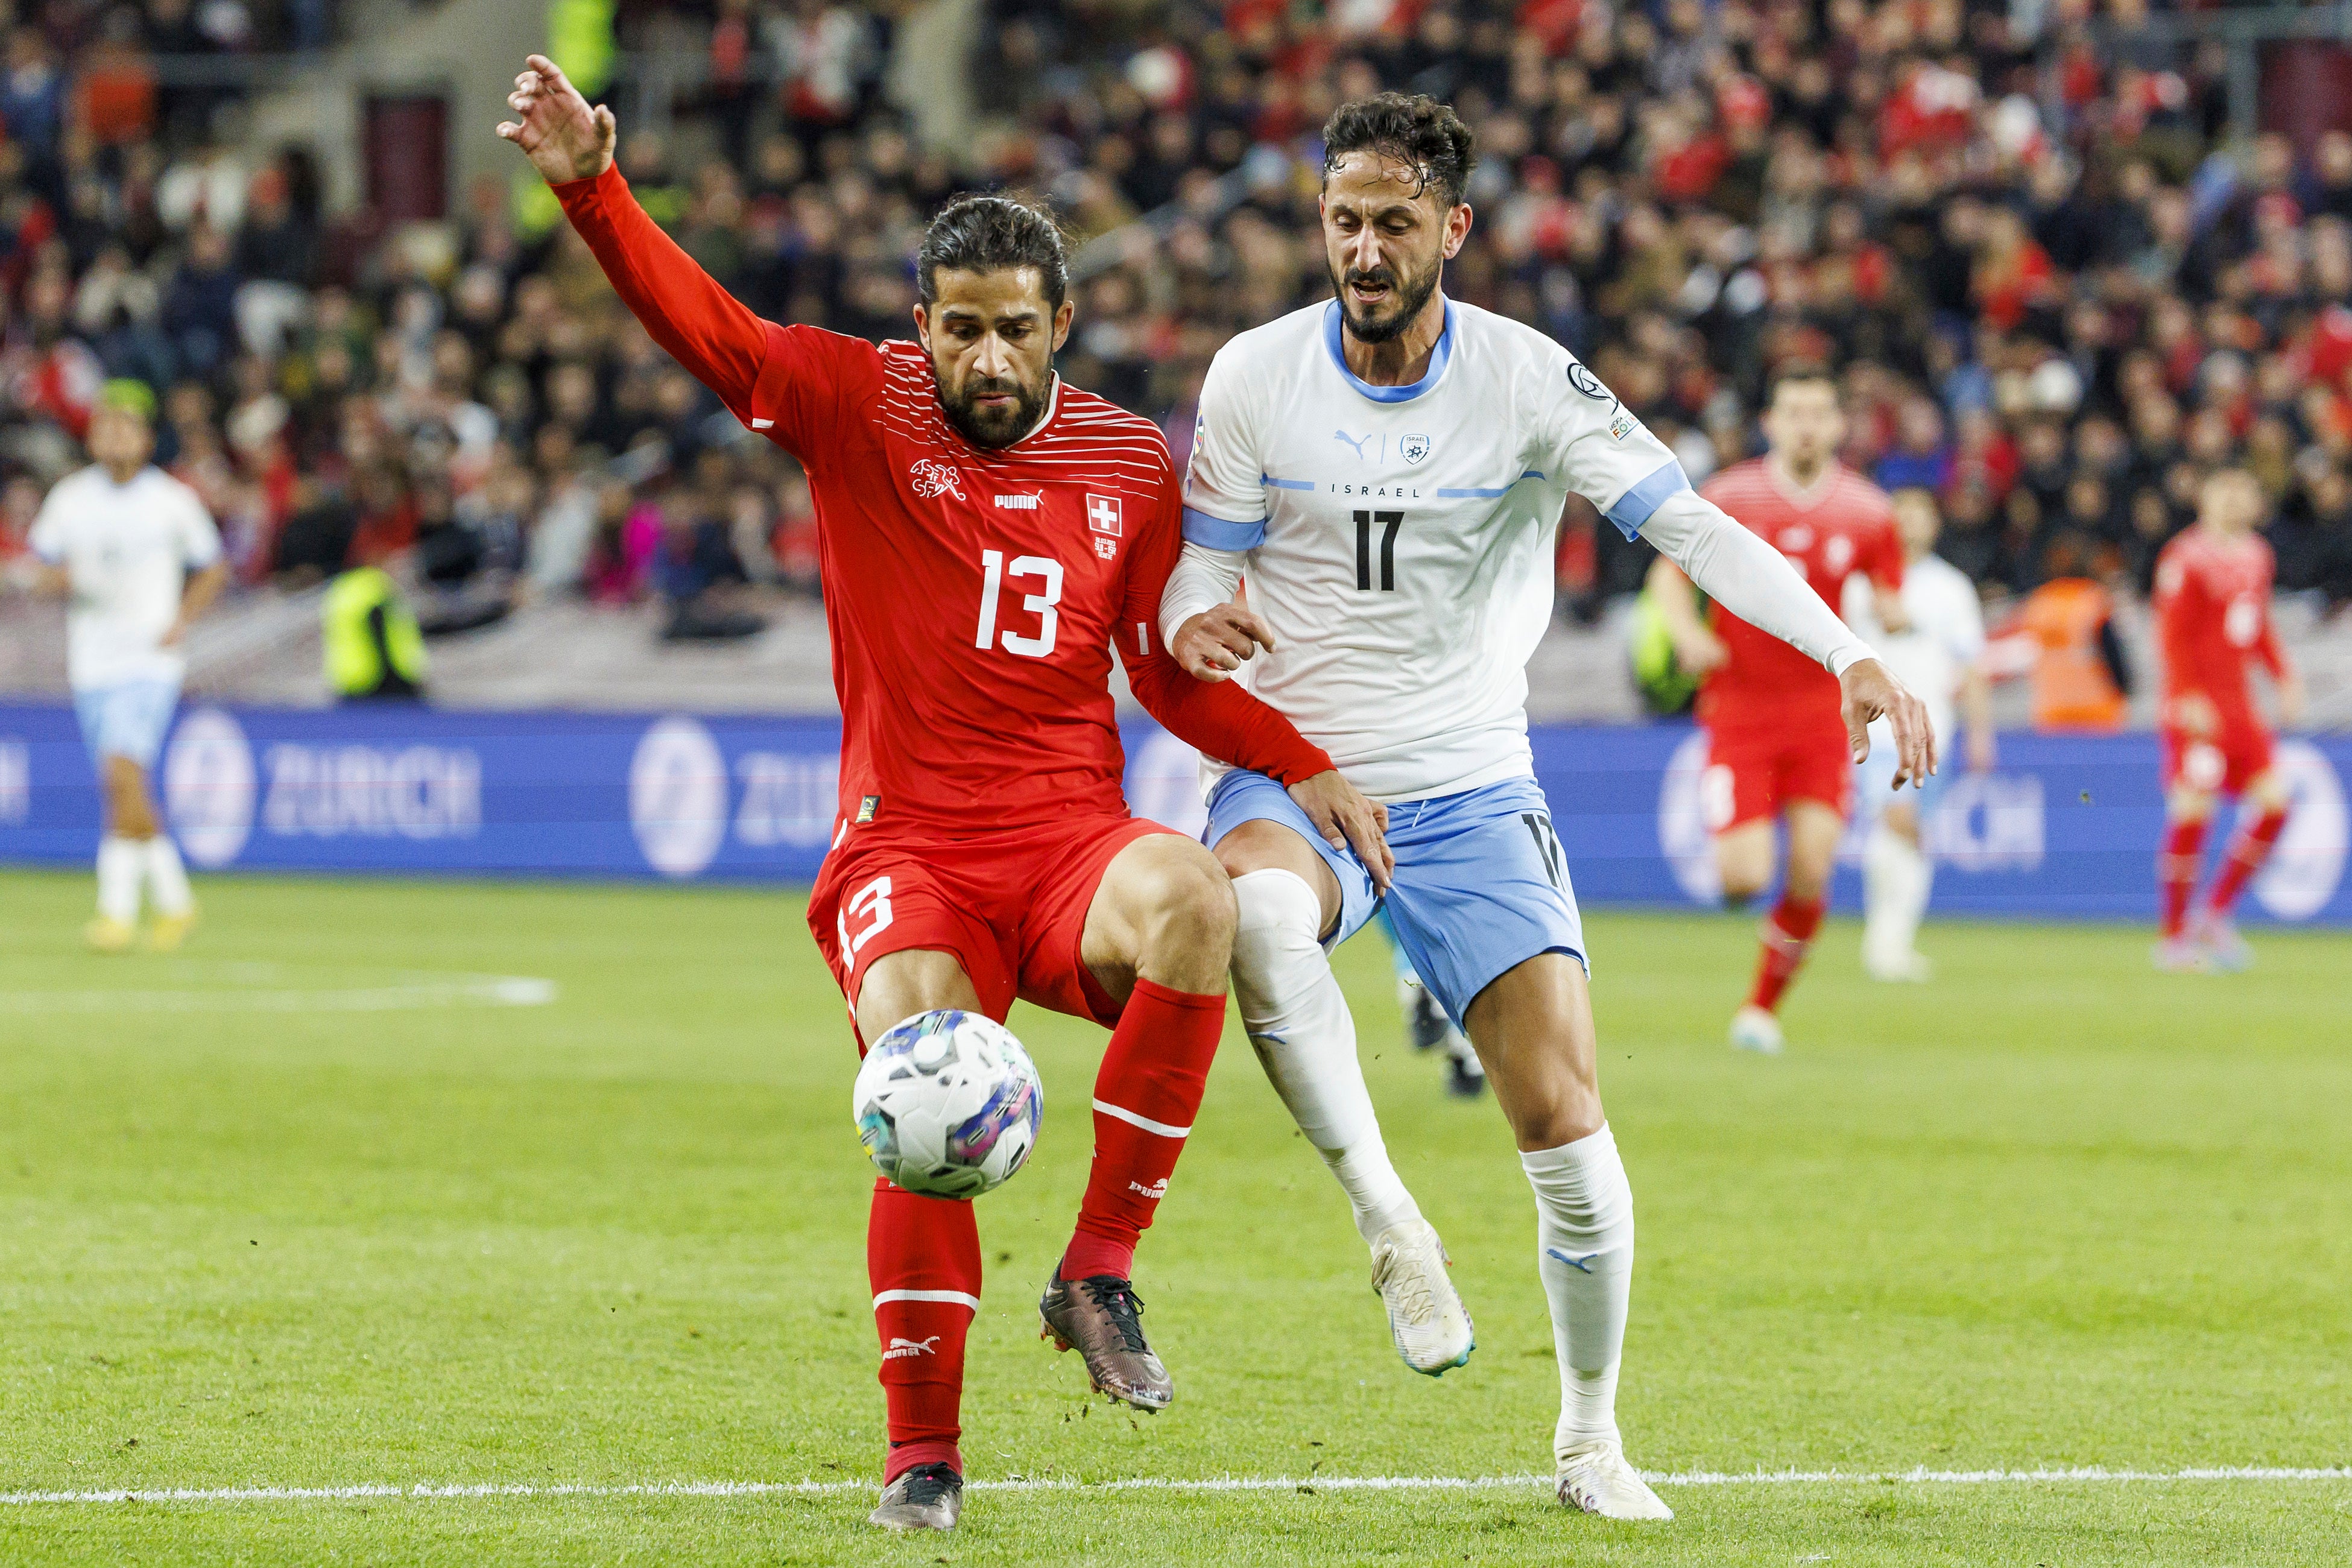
[(1215, 643), (1869, 691), (1347, 819), (564, 138)]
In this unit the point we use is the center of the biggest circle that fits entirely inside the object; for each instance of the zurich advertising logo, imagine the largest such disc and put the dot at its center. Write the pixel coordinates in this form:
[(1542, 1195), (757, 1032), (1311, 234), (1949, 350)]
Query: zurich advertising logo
[(2307, 865), (677, 796), (208, 787)]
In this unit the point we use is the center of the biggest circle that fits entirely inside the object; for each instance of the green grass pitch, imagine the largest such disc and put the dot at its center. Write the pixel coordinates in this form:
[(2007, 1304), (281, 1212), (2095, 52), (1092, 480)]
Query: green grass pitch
[(301, 1207)]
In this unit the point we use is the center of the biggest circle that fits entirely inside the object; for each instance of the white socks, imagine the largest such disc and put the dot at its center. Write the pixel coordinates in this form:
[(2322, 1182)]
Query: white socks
[(1896, 882), (1584, 1252), (1298, 1021), (125, 865), (121, 862), (167, 879)]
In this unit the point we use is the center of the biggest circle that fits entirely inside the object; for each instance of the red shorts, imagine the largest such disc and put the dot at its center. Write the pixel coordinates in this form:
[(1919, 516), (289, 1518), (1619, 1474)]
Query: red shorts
[(1755, 770), (1011, 906), (2217, 765)]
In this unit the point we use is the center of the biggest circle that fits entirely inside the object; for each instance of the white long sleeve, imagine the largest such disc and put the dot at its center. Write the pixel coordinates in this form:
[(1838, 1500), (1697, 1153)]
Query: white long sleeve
[(1203, 579), (1738, 570)]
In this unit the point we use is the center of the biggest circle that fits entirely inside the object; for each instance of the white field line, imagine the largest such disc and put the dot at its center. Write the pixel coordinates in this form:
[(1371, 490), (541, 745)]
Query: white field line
[(456, 991), (427, 1492)]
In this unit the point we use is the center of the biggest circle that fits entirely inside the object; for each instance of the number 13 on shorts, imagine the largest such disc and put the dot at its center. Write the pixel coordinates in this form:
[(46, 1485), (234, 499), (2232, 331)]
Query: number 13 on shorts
[(870, 903)]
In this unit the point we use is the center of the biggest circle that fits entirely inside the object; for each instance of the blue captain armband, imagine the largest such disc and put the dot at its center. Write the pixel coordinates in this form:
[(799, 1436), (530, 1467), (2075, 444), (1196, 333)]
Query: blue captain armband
[(1636, 506), (1216, 533)]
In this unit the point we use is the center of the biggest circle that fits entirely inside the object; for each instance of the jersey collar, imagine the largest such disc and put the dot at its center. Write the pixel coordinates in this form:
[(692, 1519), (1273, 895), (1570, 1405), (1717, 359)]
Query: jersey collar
[(1334, 325), (1808, 496)]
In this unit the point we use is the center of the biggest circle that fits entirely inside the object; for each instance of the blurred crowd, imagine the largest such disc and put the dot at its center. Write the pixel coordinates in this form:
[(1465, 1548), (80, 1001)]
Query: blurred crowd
[(2053, 288)]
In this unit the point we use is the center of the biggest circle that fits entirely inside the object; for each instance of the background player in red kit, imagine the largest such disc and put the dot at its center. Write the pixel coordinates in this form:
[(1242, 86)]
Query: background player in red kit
[(1778, 744), (2213, 622), (987, 534)]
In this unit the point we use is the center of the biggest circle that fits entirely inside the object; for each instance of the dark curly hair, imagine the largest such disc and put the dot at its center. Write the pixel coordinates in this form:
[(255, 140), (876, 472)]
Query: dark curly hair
[(1411, 128), (993, 234)]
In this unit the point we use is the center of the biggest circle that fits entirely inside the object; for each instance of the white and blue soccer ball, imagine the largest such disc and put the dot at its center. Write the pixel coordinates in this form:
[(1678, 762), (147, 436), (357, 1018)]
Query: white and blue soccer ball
[(948, 1104)]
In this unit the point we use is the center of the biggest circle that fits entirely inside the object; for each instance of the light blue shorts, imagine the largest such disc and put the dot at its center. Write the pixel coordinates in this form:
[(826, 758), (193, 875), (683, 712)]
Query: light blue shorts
[(1874, 779), (127, 720), (1480, 887)]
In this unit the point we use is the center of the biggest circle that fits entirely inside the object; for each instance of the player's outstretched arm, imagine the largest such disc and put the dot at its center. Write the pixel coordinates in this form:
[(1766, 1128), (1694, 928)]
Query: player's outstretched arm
[(1170, 586), (1755, 582), (1226, 722), (701, 325)]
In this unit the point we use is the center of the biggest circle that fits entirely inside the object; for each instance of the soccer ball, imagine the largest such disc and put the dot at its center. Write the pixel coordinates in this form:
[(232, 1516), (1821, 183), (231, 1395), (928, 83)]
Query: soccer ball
[(948, 1104)]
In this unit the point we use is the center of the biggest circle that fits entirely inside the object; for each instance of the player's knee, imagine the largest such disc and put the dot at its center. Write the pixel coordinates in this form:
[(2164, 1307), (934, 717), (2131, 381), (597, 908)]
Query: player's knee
[(1808, 884), (1277, 912), (133, 817), (2268, 790), (1191, 902), (1276, 953), (2189, 804)]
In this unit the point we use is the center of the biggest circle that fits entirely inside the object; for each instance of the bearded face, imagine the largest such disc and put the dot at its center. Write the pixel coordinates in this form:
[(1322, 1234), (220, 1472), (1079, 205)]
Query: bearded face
[(992, 337)]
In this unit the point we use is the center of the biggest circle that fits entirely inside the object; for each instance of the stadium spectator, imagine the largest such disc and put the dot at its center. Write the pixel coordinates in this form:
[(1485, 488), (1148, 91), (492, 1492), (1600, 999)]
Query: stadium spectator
[(2055, 290)]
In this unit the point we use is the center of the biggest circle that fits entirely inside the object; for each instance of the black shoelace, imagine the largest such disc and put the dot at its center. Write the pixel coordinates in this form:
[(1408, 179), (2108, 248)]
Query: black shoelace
[(1118, 1298), (926, 1484)]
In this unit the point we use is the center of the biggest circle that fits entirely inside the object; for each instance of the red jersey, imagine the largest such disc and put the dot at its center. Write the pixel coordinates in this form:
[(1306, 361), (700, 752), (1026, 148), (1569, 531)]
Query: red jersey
[(1842, 525), (2213, 617), (972, 597)]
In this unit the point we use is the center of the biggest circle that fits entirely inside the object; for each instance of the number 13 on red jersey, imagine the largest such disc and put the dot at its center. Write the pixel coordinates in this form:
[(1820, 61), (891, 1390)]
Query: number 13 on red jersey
[(993, 575)]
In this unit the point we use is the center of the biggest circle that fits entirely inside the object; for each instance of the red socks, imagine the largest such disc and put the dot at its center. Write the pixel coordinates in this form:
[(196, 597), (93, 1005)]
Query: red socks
[(2175, 872), (922, 1258), (2248, 850), (1788, 931), (1146, 1096), (922, 1255)]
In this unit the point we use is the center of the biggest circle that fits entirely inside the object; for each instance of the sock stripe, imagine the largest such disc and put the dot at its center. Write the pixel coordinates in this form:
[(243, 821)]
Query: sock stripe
[(947, 1295), (1132, 1120)]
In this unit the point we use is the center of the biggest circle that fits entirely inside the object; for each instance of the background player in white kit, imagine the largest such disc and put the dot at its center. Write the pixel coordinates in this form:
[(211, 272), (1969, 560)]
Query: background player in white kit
[(1940, 657), (1388, 471), (137, 554)]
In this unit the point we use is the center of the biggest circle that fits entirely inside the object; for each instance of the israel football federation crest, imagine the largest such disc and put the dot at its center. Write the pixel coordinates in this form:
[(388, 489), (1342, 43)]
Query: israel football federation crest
[(1413, 448)]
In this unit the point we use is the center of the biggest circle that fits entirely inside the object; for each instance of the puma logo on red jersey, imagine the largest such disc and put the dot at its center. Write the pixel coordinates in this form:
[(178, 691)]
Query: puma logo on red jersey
[(934, 478)]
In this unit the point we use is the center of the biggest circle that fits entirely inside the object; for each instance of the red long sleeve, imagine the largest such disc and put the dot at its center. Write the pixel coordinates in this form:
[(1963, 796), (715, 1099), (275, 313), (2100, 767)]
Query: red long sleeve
[(1221, 719), (709, 332), (1218, 718)]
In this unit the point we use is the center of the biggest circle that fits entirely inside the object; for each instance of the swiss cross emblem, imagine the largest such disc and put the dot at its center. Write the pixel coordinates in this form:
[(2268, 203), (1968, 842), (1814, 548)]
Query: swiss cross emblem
[(1102, 514)]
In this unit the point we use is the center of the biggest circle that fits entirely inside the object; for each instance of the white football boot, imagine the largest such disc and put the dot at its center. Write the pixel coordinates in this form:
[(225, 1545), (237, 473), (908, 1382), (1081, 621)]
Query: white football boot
[(1425, 1312), (2224, 949), (1913, 968), (1596, 1480), (1755, 1029)]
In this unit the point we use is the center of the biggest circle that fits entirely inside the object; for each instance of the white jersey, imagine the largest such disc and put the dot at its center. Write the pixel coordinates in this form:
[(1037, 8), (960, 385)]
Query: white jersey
[(1400, 539), (126, 550), (1947, 636)]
